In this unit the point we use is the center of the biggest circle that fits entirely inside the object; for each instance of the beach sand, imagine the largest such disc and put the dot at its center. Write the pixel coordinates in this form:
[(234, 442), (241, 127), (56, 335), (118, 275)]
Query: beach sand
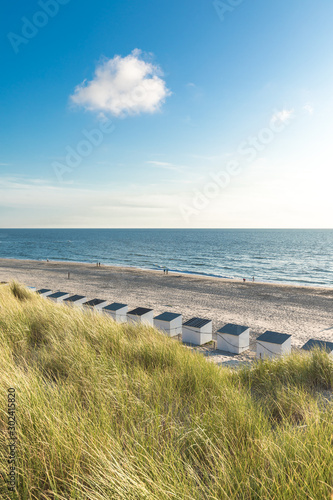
[(303, 312)]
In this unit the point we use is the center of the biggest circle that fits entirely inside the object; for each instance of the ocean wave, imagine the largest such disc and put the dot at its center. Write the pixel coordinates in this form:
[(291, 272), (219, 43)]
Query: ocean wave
[(293, 257), (321, 270)]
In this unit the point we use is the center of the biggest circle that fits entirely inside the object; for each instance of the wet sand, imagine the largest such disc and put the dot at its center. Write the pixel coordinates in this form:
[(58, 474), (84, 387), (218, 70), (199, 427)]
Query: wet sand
[(303, 312)]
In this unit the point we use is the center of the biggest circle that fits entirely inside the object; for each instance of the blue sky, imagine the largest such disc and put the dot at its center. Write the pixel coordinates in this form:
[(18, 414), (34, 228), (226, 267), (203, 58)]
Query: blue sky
[(215, 114)]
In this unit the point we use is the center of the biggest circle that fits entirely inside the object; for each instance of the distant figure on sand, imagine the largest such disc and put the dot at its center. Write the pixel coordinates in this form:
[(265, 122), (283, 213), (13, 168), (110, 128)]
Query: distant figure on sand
[(244, 280), (69, 275), (253, 278)]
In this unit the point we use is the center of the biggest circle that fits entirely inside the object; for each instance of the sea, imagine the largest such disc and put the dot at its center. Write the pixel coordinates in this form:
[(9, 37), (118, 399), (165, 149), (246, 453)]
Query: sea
[(289, 256)]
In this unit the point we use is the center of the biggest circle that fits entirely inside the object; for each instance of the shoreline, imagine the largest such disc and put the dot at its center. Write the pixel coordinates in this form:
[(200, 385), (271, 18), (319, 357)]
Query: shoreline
[(173, 272), (303, 312)]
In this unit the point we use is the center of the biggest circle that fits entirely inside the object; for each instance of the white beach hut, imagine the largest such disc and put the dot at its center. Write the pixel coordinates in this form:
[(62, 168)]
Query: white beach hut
[(95, 304), (44, 292), (75, 300), (141, 315), (58, 296), (233, 338), (169, 323), (197, 331), (321, 344), (271, 344), (117, 311)]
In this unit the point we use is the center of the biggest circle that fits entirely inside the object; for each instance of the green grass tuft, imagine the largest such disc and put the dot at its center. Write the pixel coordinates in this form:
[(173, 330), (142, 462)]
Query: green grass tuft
[(110, 411), (20, 291)]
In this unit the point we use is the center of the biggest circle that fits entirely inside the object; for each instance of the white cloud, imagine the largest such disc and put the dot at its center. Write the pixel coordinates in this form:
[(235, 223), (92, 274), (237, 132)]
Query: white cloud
[(123, 86), (167, 165), (212, 157), (32, 204), (283, 116), (309, 109)]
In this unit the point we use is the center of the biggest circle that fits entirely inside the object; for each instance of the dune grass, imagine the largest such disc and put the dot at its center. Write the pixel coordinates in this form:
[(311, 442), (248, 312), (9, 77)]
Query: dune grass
[(109, 411)]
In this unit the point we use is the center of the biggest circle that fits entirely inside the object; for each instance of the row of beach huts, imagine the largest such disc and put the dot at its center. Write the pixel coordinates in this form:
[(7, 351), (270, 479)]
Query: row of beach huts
[(231, 338)]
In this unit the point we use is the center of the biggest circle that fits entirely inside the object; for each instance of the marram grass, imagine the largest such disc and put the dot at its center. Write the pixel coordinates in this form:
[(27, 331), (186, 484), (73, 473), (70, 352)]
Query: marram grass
[(109, 411)]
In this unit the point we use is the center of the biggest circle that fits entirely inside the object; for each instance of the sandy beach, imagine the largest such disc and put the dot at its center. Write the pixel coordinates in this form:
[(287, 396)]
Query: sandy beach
[(303, 312)]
